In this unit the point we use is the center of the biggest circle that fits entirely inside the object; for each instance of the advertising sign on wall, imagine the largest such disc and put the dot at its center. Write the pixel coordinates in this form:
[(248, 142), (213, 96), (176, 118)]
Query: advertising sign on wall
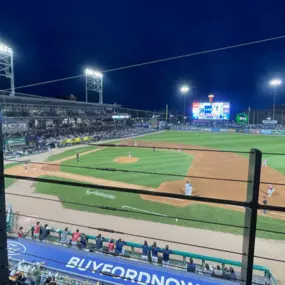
[(107, 269), (254, 131), (14, 127), (266, 132), (16, 141), (269, 122)]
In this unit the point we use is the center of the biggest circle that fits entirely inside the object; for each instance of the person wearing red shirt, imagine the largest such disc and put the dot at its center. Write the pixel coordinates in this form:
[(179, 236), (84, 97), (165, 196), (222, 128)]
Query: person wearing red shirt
[(75, 237), (20, 232), (37, 230), (111, 245)]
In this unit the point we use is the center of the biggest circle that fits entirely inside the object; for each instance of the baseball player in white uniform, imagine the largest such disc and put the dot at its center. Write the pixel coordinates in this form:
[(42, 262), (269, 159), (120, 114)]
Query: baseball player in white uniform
[(264, 163), (188, 189), (130, 155), (270, 190)]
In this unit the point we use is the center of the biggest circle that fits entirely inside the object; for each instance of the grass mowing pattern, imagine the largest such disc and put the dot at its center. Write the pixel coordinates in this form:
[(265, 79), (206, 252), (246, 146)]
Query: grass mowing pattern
[(158, 161), (227, 141), (196, 211), (70, 152)]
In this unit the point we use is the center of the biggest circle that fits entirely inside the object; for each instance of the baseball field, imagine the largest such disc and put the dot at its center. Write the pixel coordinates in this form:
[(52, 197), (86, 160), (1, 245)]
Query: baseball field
[(162, 170)]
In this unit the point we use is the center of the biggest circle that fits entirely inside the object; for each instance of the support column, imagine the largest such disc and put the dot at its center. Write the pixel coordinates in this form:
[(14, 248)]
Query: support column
[(250, 218), (4, 274)]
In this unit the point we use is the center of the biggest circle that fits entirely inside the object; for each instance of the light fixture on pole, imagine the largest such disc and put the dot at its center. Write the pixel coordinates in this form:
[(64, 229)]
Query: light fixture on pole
[(93, 82), (6, 66), (184, 89), (274, 83)]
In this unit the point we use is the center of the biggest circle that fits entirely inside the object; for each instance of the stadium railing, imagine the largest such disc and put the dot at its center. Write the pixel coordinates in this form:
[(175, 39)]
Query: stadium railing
[(180, 256), (9, 218)]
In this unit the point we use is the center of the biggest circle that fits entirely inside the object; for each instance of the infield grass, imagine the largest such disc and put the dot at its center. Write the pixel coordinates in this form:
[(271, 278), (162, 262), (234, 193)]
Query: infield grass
[(159, 161), (70, 152), (195, 212)]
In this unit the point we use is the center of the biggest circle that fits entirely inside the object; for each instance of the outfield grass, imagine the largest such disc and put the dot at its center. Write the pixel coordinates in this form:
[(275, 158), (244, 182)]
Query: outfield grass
[(196, 211), (228, 141), (158, 161), (70, 152)]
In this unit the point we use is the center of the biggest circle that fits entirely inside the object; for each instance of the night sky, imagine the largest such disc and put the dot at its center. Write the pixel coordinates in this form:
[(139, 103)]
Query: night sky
[(55, 39)]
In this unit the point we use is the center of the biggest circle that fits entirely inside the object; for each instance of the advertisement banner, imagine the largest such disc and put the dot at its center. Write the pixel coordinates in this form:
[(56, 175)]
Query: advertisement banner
[(266, 132), (206, 130), (223, 130), (215, 130), (254, 131), (116, 270), (231, 130), (276, 132), (16, 141), (240, 131), (14, 127)]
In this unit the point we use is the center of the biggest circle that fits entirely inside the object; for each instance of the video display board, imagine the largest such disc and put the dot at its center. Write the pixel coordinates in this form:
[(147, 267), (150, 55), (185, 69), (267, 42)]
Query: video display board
[(211, 111)]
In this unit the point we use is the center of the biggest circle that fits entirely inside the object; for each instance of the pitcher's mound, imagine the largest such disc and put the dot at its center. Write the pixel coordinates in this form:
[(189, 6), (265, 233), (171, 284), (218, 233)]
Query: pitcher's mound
[(125, 159)]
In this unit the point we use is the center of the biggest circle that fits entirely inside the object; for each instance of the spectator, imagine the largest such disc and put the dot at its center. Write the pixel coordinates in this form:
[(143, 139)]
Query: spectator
[(120, 247), (232, 274), (99, 242), (191, 267), (37, 230), (64, 236), (218, 271), (53, 281), (75, 237), (44, 233), (83, 241), (111, 245), (208, 270), (145, 250), (154, 253), (165, 256), (20, 232)]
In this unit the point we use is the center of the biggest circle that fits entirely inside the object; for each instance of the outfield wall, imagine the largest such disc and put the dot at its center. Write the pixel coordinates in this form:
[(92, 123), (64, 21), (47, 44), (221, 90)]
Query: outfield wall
[(231, 130)]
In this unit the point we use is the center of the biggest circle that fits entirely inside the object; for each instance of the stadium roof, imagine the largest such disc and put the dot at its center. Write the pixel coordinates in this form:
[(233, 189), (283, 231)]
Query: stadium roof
[(21, 98)]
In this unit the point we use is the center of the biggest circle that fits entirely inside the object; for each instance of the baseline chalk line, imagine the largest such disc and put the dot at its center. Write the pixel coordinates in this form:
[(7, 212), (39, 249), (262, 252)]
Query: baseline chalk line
[(145, 211)]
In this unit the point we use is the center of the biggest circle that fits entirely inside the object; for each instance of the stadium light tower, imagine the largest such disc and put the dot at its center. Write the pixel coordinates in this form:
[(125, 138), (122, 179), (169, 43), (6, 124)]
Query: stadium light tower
[(274, 83), (184, 89), (6, 66), (93, 82)]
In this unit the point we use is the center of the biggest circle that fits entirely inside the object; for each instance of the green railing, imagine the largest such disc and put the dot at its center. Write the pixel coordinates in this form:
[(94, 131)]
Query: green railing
[(134, 247)]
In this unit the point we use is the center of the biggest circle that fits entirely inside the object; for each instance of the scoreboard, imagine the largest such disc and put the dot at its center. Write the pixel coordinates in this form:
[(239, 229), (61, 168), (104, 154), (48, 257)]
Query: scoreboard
[(211, 111)]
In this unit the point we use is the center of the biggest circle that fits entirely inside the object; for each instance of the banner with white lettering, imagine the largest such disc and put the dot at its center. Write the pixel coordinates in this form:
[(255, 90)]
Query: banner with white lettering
[(92, 265)]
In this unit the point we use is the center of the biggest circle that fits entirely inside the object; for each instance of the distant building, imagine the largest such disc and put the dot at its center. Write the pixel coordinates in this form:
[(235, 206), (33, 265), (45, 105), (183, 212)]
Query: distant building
[(257, 116)]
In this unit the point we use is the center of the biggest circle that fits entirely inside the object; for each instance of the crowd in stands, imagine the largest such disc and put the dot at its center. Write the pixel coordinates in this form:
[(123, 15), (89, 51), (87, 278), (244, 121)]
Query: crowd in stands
[(226, 125), (154, 254), (50, 138)]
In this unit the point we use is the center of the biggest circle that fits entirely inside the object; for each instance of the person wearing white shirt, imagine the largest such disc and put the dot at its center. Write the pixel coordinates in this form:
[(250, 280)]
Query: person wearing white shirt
[(188, 189)]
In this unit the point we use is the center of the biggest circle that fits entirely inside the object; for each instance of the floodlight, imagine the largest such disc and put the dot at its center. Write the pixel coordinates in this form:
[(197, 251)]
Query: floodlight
[(5, 49), (91, 72), (184, 89), (275, 82)]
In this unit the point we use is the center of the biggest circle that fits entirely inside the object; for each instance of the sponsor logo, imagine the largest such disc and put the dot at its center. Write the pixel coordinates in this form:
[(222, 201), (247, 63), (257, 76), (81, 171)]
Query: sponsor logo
[(100, 194), (266, 132), (131, 274), (15, 248)]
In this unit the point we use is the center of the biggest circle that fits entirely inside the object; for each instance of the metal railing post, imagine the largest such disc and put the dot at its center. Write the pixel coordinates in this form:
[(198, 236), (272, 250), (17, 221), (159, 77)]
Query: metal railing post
[(4, 274), (250, 219)]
